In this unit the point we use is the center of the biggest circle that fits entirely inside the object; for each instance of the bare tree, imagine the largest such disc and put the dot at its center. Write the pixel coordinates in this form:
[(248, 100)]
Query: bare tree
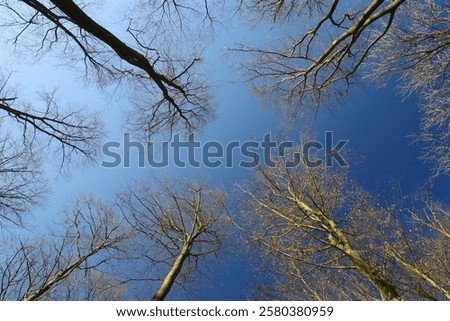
[(44, 269), (306, 68), (419, 244), (417, 50), (28, 132), (178, 225), (175, 97), (21, 183), (321, 237), (343, 42), (72, 130), (40, 27), (302, 217)]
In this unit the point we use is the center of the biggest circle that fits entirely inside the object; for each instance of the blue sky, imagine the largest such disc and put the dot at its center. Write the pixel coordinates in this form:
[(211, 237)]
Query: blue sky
[(376, 122)]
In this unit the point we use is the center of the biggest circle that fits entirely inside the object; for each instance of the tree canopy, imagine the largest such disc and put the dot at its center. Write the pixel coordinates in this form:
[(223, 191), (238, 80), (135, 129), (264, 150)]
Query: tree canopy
[(315, 230)]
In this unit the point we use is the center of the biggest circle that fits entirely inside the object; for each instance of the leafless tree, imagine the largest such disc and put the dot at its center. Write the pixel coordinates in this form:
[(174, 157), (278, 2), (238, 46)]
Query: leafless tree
[(417, 50), (73, 131), (419, 244), (21, 183), (307, 67), (44, 269), (174, 96), (302, 218), (324, 238), (175, 17), (179, 225), (27, 133), (343, 42), (64, 27)]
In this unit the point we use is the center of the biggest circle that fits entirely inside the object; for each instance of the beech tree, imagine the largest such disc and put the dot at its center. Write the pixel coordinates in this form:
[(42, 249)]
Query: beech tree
[(175, 97), (324, 238), (179, 226), (21, 185), (45, 268), (320, 236), (168, 93), (336, 43), (310, 64), (421, 249), (417, 50)]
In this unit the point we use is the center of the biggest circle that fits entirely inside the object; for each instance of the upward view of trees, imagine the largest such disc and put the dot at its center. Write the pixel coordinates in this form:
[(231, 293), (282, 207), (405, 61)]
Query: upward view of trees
[(161, 232), (375, 39), (324, 238), (317, 233), (422, 31), (39, 269), (178, 224)]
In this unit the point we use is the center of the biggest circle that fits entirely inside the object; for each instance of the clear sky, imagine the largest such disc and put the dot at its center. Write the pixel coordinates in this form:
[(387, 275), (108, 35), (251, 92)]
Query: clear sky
[(375, 121)]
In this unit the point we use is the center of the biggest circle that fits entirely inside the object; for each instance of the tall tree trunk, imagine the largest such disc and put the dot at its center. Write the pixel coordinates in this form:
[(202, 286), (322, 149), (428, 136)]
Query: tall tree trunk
[(170, 278), (337, 238)]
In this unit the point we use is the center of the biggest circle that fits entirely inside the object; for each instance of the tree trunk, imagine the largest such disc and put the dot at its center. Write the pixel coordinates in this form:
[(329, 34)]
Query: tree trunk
[(337, 238), (170, 278)]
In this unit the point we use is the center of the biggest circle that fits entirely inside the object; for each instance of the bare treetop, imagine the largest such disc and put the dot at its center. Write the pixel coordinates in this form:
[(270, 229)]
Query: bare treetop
[(307, 67), (176, 98), (34, 269), (337, 43), (324, 238), (182, 223), (417, 50)]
